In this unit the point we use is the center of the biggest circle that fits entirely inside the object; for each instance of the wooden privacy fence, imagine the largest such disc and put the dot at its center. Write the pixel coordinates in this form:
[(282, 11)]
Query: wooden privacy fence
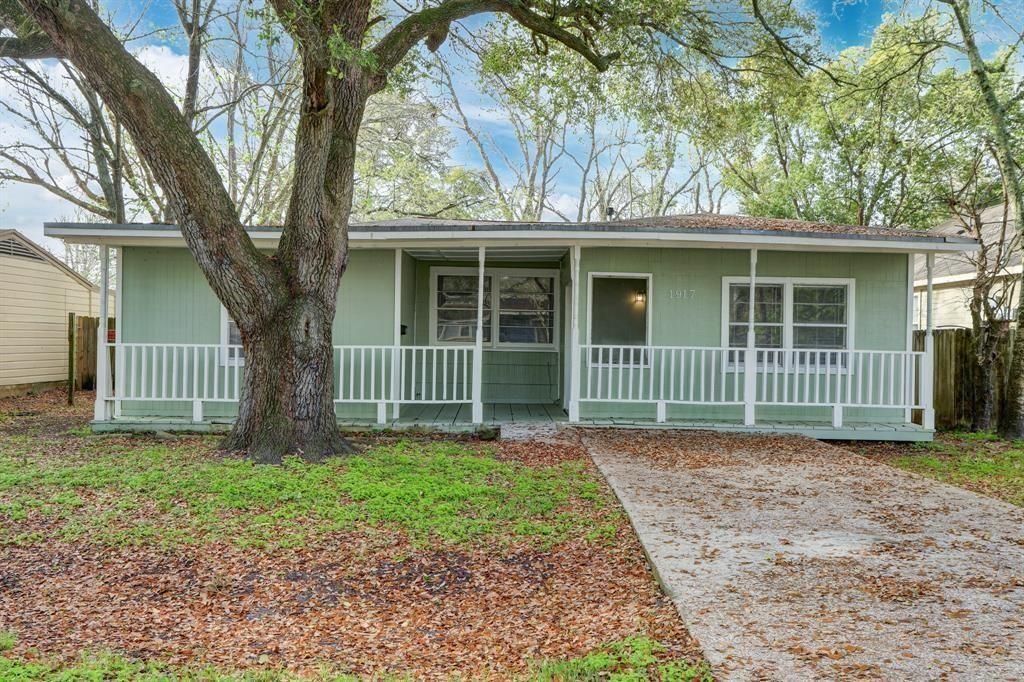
[(82, 349), (956, 376)]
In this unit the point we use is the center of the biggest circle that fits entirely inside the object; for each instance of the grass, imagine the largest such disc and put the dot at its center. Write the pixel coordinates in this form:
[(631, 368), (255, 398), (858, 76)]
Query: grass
[(632, 660), (115, 492), (982, 462)]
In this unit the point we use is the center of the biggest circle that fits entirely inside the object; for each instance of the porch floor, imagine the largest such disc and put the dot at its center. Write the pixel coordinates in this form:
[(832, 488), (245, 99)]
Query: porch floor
[(458, 418)]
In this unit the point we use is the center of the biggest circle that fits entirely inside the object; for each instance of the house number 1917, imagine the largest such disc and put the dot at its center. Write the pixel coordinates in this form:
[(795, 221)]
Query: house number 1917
[(682, 294)]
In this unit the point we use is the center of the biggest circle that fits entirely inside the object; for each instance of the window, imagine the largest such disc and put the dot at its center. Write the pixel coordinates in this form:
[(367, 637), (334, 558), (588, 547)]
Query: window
[(819, 316), (619, 311), (519, 307), (792, 313), (769, 325), (526, 309), (456, 308), (231, 352)]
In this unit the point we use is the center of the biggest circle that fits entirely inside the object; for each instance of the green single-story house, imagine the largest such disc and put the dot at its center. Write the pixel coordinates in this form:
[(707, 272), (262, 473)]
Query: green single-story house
[(458, 323)]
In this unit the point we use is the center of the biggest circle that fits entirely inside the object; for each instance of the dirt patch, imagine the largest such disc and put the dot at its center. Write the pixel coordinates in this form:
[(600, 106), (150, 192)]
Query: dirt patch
[(44, 414)]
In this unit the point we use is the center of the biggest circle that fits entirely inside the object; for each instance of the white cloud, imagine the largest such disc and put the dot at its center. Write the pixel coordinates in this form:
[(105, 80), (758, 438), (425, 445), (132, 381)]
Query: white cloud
[(26, 207), (169, 66), (566, 204)]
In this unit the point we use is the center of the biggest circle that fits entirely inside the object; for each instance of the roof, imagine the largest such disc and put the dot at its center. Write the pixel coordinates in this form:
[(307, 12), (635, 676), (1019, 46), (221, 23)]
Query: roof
[(44, 255), (958, 265), (706, 228)]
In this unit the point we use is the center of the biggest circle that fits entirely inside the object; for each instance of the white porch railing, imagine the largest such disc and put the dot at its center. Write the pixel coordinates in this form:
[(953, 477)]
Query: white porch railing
[(212, 373), (838, 379), (658, 374), (655, 375)]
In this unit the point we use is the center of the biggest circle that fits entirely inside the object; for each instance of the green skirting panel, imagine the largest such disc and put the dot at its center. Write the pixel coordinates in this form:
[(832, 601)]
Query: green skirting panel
[(457, 418)]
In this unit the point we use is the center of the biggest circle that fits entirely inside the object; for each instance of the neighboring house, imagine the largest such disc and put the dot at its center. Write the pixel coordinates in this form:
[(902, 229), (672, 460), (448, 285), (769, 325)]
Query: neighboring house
[(624, 322), (37, 292), (955, 272)]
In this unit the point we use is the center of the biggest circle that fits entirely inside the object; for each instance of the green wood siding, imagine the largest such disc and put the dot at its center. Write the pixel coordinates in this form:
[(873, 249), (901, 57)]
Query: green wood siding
[(165, 299), (695, 319)]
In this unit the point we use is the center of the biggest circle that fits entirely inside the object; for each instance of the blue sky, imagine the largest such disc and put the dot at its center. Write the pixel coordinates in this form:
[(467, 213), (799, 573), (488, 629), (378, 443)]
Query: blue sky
[(844, 24), (26, 208)]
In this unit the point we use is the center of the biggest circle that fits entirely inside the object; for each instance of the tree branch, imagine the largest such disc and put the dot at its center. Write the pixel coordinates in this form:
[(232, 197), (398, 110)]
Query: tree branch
[(34, 47), (243, 279), (431, 24)]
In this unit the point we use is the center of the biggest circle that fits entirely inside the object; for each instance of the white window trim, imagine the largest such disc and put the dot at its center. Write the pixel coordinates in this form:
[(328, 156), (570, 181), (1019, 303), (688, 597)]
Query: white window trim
[(495, 274), (649, 277), (787, 306), (225, 359)]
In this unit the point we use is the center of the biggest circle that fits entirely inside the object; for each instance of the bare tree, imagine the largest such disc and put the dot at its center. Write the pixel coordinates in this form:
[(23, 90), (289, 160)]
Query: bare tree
[(998, 104), (977, 199)]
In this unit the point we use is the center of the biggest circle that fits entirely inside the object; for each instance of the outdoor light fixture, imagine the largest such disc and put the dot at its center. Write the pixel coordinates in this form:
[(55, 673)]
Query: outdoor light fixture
[(641, 297)]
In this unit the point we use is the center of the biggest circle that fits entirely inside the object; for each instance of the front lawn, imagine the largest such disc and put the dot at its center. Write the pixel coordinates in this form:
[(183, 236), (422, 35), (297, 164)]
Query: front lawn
[(980, 462), (135, 557)]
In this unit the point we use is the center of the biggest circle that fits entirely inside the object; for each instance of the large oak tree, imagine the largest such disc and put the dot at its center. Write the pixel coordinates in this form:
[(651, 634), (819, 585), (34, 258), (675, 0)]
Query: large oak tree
[(284, 304)]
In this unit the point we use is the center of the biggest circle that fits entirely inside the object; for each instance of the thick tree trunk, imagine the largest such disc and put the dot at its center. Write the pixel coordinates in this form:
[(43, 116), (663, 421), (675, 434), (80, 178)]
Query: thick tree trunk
[(287, 401)]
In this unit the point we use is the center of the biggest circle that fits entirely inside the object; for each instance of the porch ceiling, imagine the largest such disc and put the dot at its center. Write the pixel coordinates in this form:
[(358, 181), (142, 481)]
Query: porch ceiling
[(494, 254)]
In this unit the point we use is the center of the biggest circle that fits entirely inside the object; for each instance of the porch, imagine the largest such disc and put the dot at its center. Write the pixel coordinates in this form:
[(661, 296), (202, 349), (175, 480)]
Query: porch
[(454, 357)]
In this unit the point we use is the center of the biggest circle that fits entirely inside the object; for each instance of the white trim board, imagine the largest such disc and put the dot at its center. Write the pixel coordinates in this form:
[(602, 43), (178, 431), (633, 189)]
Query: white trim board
[(390, 239), (649, 304)]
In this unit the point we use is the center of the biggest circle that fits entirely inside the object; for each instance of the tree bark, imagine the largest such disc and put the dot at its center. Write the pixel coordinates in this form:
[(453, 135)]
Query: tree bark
[(287, 404)]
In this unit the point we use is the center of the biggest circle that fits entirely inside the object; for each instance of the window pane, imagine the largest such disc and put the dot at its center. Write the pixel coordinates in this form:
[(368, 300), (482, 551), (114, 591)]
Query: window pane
[(617, 317), (768, 336), (526, 328), (457, 291), (450, 316), (737, 335), (234, 339), (457, 308), (768, 300), (516, 301), (467, 283), (819, 337), (462, 333), (526, 309), (234, 336), (765, 336), (823, 304), (527, 285)]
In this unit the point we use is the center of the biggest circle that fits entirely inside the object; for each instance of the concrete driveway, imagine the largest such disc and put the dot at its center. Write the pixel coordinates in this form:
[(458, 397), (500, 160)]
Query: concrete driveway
[(793, 559)]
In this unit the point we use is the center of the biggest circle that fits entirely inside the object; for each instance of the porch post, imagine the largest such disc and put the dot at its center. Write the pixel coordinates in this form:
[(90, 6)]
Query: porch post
[(927, 371), (118, 356), (907, 382), (396, 352), (478, 351), (574, 341), (750, 355), (101, 410)]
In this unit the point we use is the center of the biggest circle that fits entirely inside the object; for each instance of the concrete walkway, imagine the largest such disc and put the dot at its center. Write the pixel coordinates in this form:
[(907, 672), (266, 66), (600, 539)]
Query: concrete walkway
[(791, 559)]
